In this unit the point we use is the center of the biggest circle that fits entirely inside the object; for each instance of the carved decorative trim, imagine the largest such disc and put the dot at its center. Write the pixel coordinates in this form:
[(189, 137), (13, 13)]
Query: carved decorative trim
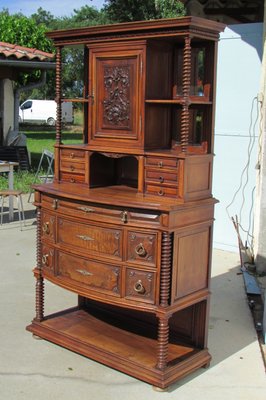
[(116, 105)]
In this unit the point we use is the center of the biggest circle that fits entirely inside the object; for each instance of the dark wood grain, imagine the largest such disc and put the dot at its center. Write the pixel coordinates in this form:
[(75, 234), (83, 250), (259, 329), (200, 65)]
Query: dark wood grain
[(127, 222)]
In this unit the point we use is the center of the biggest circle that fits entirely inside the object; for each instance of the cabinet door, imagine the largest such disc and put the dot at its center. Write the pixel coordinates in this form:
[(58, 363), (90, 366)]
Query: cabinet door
[(116, 87)]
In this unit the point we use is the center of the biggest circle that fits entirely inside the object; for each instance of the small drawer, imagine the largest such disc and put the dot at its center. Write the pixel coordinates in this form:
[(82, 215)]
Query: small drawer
[(47, 259), (162, 191), (99, 241), (92, 274), (142, 248), (48, 226), (140, 285), (69, 166), (72, 178), (72, 154), (160, 162), (160, 177)]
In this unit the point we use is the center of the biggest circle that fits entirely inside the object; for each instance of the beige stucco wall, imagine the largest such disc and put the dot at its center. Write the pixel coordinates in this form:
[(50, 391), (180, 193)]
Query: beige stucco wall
[(260, 199)]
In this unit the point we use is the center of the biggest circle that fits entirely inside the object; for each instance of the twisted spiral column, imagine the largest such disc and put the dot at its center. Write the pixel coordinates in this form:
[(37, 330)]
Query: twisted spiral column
[(39, 288), (186, 91), (166, 262), (58, 80), (162, 340)]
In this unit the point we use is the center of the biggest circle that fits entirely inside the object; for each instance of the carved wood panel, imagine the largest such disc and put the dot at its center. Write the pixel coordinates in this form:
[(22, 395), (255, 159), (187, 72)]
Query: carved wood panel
[(140, 285), (116, 89), (141, 248)]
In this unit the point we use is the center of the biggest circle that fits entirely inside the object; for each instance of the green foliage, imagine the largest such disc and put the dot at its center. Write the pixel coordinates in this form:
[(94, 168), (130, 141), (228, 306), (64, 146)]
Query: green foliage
[(129, 10), (30, 32), (18, 29), (169, 8), (137, 10), (23, 31)]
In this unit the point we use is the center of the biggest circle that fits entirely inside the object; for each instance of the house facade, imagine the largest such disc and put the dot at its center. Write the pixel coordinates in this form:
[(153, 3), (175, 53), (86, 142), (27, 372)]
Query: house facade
[(14, 60), (240, 146)]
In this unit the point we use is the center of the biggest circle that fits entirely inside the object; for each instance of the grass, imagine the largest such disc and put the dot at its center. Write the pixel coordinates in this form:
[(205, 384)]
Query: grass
[(38, 139)]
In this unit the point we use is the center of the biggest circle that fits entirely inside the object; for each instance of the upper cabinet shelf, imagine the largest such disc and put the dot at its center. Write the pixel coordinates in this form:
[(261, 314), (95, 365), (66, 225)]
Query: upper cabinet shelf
[(153, 90)]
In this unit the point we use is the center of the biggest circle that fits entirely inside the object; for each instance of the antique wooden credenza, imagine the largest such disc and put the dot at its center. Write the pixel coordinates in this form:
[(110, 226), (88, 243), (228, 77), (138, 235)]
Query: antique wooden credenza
[(127, 222)]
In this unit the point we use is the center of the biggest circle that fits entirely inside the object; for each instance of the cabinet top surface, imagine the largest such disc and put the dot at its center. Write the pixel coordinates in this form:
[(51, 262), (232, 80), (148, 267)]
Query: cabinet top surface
[(118, 196), (161, 27)]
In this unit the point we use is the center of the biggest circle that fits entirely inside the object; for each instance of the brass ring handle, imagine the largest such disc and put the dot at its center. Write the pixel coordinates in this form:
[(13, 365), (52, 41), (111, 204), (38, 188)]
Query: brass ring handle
[(72, 155), (45, 259), (72, 180), (140, 250), (139, 288), (46, 228), (161, 193), (161, 179), (72, 167), (160, 164)]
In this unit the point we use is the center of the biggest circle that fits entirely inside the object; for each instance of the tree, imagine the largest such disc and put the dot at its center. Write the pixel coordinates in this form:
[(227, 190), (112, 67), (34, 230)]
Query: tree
[(129, 10), (18, 29), (43, 17), (169, 8), (23, 31), (137, 10)]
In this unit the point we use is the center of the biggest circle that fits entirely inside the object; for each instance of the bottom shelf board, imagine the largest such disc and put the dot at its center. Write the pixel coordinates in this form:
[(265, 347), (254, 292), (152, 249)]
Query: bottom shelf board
[(128, 352)]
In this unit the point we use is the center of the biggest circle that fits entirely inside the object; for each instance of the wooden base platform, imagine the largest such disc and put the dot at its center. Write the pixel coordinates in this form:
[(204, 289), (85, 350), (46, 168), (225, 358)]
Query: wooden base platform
[(128, 352)]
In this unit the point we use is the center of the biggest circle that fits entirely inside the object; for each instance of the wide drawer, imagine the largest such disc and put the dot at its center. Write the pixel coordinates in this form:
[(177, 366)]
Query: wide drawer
[(92, 212), (99, 241), (93, 274)]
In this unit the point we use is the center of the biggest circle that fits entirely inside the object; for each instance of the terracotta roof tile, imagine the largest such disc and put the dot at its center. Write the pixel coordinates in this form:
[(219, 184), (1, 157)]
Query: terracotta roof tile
[(15, 51)]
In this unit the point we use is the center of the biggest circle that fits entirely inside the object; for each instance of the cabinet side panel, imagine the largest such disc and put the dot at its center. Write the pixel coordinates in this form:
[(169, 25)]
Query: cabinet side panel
[(191, 262)]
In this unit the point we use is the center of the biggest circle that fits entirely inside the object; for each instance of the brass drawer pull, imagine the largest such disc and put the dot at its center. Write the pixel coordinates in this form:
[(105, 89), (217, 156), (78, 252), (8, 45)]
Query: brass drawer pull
[(160, 164), (55, 204), (86, 209), (161, 179), (45, 259), (84, 272), (139, 288), (140, 250), (72, 155), (124, 217), (72, 167), (161, 193), (85, 238), (72, 180), (46, 228)]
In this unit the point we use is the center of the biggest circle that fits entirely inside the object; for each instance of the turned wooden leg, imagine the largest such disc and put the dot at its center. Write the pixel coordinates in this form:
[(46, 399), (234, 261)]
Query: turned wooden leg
[(163, 337), (39, 305)]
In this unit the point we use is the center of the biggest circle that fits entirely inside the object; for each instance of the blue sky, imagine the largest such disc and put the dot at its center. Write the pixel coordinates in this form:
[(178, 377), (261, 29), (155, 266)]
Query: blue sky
[(58, 8)]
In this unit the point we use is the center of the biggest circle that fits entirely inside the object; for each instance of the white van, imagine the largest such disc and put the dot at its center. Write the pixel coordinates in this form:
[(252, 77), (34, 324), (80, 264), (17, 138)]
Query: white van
[(44, 111)]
